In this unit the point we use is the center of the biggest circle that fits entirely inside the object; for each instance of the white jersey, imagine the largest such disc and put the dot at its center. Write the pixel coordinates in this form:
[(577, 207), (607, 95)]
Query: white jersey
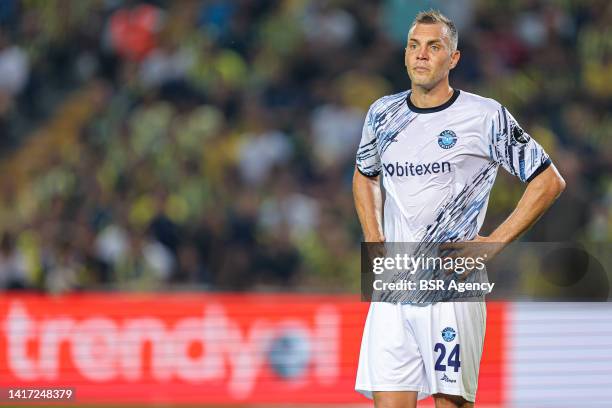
[(439, 164)]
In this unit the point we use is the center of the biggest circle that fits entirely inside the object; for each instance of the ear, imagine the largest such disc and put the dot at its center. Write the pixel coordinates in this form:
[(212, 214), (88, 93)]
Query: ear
[(455, 59)]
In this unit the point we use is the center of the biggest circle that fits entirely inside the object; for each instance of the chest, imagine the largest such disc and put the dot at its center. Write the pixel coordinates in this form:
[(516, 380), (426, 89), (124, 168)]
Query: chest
[(432, 138)]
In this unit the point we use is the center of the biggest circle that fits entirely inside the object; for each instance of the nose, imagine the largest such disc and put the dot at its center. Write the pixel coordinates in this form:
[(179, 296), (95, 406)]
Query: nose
[(422, 54)]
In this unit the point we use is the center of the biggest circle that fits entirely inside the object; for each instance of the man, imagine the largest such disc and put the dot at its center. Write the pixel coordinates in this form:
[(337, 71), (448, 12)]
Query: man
[(439, 150)]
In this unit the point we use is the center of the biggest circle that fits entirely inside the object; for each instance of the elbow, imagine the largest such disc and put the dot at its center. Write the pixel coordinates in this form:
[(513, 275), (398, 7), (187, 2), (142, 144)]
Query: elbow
[(558, 185), (552, 181)]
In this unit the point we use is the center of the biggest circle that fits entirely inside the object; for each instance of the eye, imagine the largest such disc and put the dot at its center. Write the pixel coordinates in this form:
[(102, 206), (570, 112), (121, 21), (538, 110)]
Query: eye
[(412, 46), (435, 47)]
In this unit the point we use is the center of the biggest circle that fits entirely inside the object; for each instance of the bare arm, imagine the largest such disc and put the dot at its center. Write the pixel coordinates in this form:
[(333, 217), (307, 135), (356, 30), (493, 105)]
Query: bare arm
[(368, 202), (539, 195)]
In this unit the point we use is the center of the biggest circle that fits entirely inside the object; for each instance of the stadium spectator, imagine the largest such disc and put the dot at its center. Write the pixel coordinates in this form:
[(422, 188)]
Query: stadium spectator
[(218, 147)]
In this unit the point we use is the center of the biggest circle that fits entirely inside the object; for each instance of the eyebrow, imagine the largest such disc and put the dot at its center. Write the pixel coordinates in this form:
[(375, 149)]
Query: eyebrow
[(428, 42)]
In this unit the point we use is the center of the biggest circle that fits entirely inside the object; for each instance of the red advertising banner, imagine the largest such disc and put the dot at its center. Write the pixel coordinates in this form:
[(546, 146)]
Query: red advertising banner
[(199, 348)]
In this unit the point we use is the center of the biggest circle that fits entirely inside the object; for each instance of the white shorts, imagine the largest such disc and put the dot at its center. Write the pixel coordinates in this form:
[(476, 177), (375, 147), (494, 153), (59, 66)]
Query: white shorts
[(434, 348)]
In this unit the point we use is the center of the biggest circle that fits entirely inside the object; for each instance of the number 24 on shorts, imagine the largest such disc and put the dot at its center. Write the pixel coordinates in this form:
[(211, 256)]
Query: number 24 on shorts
[(453, 357)]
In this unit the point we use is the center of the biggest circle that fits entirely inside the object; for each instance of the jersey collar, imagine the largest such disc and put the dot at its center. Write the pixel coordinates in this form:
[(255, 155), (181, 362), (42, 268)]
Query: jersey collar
[(438, 108)]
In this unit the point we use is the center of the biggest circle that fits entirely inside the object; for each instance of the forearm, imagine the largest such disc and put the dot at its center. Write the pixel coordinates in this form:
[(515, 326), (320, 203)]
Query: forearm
[(368, 203), (539, 195)]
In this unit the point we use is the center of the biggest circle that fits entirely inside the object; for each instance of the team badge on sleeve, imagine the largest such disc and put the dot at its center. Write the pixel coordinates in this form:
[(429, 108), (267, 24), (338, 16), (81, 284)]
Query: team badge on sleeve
[(447, 139), (518, 134)]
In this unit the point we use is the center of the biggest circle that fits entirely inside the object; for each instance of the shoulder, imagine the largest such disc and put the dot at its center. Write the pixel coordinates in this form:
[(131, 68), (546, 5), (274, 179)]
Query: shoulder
[(387, 101), (487, 106)]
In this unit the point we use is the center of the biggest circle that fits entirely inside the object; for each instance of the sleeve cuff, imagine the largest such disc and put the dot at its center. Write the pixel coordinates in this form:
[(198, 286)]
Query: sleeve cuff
[(370, 175), (540, 169)]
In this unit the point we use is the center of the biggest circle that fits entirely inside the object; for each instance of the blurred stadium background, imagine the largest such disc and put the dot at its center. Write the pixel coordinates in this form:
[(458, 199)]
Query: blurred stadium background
[(156, 156)]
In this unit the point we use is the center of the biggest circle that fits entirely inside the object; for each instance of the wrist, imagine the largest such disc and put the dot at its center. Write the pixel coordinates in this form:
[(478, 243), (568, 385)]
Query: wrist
[(374, 238), (499, 239)]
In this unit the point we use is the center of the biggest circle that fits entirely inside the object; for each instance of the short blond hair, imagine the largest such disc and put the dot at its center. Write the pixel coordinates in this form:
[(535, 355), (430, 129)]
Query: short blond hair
[(433, 17)]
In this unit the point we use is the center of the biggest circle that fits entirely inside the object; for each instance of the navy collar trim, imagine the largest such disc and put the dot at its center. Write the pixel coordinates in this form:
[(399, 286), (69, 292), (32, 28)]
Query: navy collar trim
[(438, 108)]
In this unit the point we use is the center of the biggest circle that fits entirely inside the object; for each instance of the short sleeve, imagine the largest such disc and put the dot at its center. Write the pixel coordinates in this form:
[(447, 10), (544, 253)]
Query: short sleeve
[(514, 149), (368, 156)]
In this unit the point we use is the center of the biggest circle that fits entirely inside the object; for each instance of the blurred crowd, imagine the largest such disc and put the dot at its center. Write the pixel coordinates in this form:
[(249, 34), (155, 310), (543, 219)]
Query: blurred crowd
[(211, 144)]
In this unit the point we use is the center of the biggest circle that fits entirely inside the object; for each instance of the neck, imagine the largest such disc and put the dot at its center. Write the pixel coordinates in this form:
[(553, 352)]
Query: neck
[(428, 98)]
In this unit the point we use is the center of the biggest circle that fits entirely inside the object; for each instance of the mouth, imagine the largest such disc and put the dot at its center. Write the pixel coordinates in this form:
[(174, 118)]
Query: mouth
[(421, 69)]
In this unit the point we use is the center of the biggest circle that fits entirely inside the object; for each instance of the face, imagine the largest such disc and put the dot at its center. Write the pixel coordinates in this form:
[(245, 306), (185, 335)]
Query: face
[(429, 56)]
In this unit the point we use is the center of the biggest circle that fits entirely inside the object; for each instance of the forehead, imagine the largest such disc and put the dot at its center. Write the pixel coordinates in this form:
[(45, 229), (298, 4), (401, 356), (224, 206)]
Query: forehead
[(427, 32)]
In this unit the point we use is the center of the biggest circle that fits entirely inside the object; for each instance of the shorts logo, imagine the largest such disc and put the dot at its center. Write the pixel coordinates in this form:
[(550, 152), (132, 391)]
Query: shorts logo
[(448, 334), (447, 379), (447, 139)]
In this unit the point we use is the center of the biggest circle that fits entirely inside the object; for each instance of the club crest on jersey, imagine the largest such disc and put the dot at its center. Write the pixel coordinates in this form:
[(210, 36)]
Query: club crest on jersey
[(447, 139), (448, 334)]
